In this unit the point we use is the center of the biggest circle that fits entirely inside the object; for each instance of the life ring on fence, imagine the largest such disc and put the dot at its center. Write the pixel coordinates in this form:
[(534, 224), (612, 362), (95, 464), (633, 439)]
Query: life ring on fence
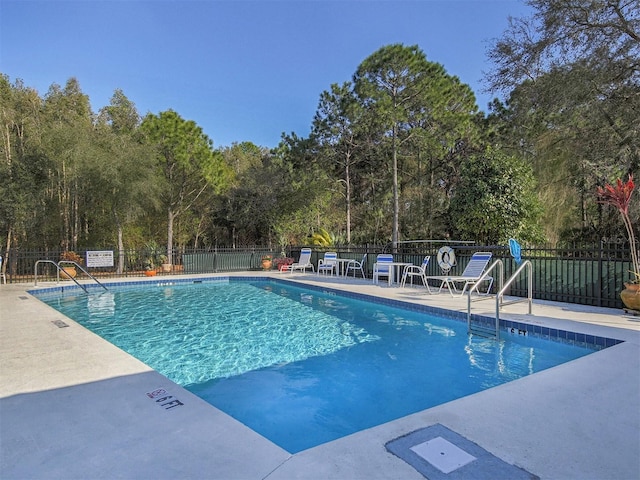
[(446, 258)]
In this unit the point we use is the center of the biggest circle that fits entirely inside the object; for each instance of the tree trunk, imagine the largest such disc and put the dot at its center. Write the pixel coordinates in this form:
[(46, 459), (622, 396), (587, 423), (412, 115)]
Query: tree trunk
[(120, 267), (76, 220), (170, 218), (64, 210), (347, 181), (6, 251), (396, 201)]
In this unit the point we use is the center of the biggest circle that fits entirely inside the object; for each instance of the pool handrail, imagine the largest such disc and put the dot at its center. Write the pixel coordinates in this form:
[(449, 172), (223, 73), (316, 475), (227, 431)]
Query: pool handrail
[(529, 266), (59, 268), (500, 281), (500, 294)]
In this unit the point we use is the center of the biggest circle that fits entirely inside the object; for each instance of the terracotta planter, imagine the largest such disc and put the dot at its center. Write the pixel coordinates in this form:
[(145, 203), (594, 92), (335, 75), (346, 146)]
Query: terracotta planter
[(150, 273), (631, 296), (267, 264), (68, 272), (166, 267)]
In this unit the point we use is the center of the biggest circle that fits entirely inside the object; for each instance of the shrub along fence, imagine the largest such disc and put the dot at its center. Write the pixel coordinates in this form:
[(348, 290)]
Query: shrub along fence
[(583, 275)]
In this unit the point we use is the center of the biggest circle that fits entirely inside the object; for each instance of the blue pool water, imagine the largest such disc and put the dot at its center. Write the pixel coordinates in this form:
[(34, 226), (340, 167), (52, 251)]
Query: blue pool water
[(303, 367)]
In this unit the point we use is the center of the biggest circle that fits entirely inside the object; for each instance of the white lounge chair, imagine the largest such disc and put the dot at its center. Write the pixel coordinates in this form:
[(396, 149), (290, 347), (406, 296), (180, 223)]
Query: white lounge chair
[(417, 271), (328, 263), (470, 276), (355, 265), (303, 262), (382, 267)]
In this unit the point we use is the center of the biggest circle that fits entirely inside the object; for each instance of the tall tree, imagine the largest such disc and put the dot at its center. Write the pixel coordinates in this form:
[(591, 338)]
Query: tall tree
[(562, 33), (572, 75), (121, 114), (67, 143), (187, 162), (406, 97), (22, 165), (123, 170), (336, 127), (301, 189), (390, 83), (245, 160)]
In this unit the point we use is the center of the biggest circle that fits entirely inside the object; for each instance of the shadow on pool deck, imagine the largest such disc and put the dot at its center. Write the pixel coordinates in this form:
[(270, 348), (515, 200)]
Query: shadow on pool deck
[(74, 406), (113, 429)]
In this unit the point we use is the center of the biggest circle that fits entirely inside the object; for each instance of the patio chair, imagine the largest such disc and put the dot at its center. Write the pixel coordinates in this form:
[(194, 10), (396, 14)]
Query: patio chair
[(417, 271), (470, 276), (355, 265), (328, 263), (303, 262), (382, 267)]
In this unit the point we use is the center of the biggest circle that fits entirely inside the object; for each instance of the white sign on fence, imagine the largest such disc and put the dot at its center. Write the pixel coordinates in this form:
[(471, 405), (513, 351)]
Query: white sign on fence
[(100, 258)]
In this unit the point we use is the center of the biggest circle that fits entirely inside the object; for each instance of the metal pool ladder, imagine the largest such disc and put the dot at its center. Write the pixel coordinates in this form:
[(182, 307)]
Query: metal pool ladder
[(59, 269), (495, 333), (477, 327)]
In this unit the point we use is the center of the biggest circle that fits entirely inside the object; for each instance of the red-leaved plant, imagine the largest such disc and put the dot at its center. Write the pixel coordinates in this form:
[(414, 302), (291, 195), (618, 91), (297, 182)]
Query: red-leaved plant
[(619, 196)]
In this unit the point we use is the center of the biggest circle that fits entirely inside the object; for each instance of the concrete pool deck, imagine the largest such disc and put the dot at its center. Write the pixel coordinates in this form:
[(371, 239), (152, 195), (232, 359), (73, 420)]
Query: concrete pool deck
[(74, 406)]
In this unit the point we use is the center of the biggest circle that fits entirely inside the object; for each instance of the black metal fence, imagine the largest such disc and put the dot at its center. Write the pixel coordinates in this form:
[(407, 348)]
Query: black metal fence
[(589, 276)]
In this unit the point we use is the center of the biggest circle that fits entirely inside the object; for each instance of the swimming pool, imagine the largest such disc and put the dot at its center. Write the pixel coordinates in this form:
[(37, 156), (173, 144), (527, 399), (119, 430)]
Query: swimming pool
[(303, 366)]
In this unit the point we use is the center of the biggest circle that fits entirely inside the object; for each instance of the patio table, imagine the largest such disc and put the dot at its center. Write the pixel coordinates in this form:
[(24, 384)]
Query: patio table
[(342, 263), (395, 271)]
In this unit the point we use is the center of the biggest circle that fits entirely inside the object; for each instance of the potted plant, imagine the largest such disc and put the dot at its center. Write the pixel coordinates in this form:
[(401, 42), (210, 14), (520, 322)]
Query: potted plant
[(282, 262), (69, 270), (619, 196), (267, 262), (166, 267), (153, 259), (150, 268)]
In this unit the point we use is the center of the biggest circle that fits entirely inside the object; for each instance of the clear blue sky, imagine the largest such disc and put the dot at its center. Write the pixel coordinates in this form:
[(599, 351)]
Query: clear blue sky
[(242, 70)]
